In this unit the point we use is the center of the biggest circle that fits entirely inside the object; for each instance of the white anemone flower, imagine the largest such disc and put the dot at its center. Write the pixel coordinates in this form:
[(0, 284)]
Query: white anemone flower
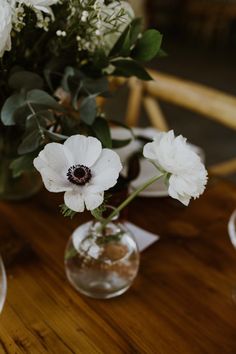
[(81, 169), (5, 26), (188, 176)]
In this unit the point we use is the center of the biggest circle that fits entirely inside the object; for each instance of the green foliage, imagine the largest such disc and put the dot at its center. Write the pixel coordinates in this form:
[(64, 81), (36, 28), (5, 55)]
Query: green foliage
[(28, 95), (25, 80), (129, 67), (67, 212), (21, 164), (11, 105), (117, 144), (43, 99), (148, 46), (33, 137), (88, 109), (98, 212), (127, 39), (18, 107), (101, 130)]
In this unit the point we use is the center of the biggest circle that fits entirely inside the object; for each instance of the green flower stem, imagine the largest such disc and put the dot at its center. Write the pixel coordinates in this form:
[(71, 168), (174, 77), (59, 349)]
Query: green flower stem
[(130, 198)]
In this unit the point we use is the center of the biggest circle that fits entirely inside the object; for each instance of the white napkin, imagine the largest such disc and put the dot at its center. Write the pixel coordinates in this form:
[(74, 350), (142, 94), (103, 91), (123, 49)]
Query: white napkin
[(143, 238)]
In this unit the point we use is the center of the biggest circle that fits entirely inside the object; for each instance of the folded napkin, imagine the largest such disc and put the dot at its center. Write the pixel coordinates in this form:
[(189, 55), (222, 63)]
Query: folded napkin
[(143, 238)]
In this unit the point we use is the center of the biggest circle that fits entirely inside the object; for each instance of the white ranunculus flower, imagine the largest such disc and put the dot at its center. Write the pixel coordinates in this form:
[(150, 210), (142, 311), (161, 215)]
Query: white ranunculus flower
[(188, 176), (81, 169), (41, 5), (5, 26)]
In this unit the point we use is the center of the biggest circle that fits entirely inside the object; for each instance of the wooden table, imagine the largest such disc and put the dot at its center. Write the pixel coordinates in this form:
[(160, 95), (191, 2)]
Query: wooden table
[(183, 300)]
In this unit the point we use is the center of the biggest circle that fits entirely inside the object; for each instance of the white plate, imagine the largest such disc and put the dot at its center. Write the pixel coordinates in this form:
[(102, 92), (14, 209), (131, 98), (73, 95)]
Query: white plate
[(147, 170)]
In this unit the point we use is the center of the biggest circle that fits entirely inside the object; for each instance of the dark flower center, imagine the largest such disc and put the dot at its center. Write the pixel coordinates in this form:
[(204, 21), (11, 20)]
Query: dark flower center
[(79, 174)]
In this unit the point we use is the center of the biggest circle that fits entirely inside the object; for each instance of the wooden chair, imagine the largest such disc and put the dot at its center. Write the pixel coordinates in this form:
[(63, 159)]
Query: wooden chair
[(213, 104)]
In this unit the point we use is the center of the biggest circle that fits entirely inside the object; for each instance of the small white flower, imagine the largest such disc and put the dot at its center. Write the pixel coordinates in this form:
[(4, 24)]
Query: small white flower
[(5, 26), (188, 174), (81, 169)]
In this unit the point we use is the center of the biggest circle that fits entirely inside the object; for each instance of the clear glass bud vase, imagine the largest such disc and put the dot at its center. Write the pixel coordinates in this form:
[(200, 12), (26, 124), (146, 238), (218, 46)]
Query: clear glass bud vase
[(101, 262)]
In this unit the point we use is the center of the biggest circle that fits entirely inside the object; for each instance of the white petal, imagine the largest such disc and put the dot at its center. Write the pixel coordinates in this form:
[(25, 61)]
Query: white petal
[(107, 159), (85, 150), (149, 151), (106, 170), (184, 199), (58, 158), (177, 191), (93, 201), (39, 162), (53, 182), (106, 179), (45, 9), (74, 200)]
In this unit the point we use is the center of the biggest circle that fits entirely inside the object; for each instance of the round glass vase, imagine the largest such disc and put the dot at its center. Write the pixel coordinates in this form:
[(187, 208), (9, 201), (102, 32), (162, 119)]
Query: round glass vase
[(101, 262), (17, 188)]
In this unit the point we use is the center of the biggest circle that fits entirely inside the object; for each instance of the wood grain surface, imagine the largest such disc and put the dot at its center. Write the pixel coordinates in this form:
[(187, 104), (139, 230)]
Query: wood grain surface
[(182, 302)]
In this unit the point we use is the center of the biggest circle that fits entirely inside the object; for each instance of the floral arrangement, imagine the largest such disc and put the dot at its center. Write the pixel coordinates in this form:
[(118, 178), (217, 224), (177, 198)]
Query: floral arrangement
[(55, 60), (85, 172), (56, 57)]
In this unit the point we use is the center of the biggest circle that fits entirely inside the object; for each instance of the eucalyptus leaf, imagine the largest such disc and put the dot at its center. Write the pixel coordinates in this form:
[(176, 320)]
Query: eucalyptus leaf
[(21, 164), (117, 144), (101, 130), (128, 68), (136, 28), (25, 80), (47, 76), (99, 61), (148, 46), (124, 43), (69, 73), (95, 86), (24, 113), (121, 42), (55, 136), (9, 108), (42, 98), (31, 142), (88, 110)]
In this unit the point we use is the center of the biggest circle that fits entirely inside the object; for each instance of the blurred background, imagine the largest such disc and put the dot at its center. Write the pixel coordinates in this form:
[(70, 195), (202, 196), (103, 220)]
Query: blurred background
[(200, 40)]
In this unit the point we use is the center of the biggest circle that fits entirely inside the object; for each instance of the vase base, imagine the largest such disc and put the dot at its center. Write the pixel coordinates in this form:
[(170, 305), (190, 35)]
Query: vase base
[(98, 289)]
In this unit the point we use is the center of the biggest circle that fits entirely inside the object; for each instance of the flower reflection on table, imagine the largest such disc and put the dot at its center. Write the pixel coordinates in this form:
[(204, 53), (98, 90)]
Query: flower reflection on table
[(3, 284)]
